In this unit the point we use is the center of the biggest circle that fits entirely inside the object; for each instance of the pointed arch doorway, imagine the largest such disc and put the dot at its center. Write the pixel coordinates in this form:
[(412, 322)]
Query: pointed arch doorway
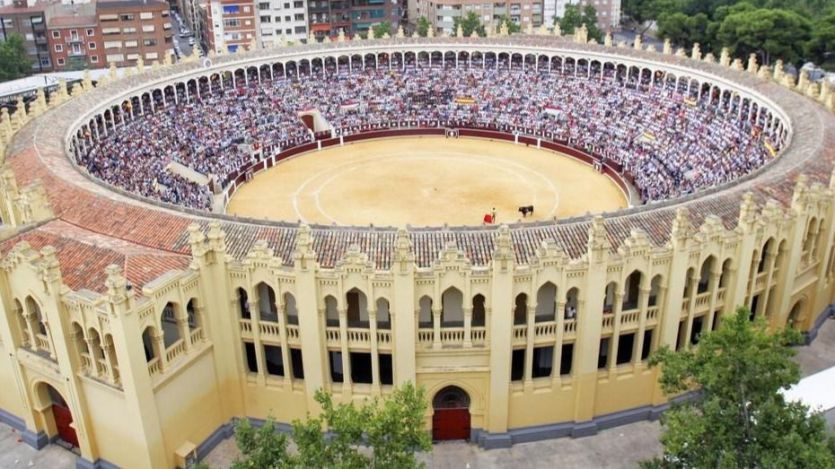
[(451, 418), (52, 402)]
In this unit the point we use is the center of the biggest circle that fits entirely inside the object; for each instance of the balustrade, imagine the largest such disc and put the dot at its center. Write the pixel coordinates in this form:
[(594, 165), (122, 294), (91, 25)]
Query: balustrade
[(332, 336), (545, 330), (631, 317), (425, 336), (652, 313), (154, 367), (246, 326), (176, 349), (197, 335), (42, 342), (270, 330), (478, 335), (608, 322), (452, 335), (86, 362), (293, 335)]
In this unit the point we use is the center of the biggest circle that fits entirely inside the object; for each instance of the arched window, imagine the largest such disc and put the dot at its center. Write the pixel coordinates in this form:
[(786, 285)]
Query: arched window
[(704, 275), (632, 290), (425, 312), (149, 343), (688, 283), (546, 303), (479, 314), (357, 308), (266, 303), (192, 316), (655, 290), (452, 308), (767, 250), (243, 304), (609, 298), (331, 312), (170, 328), (520, 311), (572, 298), (78, 339), (383, 314), (37, 317), (725, 278), (290, 310)]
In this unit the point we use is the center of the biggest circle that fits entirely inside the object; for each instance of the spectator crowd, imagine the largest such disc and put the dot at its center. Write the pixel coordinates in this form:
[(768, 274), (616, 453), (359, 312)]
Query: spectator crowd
[(671, 141)]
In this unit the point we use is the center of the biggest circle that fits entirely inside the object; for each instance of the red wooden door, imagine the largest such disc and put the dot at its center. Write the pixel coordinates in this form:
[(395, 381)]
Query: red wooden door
[(451, 424), (63, 419)]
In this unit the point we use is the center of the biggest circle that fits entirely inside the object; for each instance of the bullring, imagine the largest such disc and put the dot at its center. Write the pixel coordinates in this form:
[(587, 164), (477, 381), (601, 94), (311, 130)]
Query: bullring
[(180, 319)]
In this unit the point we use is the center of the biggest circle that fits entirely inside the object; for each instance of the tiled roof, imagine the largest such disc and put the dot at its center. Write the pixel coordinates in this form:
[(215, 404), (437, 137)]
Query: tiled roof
[(103, 212), (84, 255)]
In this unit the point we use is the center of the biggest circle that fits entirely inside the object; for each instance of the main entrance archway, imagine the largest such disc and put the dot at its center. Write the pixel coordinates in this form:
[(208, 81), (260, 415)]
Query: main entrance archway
[(451, 420), (55, 404)]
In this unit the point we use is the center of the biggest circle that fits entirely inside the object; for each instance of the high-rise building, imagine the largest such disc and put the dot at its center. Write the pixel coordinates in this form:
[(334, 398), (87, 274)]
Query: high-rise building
[(75, 39), (135, 28), (442, 13), (328, 17), (29, 21), (277, 18), (227, 25), (608, 11)]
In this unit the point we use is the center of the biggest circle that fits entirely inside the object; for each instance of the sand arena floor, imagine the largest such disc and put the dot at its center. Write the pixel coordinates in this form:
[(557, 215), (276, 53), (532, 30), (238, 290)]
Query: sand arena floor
[(424, 181)]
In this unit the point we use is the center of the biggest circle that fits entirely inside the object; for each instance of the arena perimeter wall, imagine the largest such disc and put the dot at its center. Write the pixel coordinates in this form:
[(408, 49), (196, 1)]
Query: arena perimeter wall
[(609, 168)]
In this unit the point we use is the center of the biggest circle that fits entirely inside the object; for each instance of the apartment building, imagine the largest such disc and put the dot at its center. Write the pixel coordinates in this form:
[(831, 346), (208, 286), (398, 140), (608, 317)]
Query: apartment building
[(442, 13), (75, 39), (227, 25), (135, 28), (608, 11), (328, 17), (29, 21), (282, 17)]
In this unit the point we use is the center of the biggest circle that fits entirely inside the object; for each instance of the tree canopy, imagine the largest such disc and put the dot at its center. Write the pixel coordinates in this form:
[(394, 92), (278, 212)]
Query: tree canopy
[(792, 30), (391, 428), (740, 418), (423, 26), (575, 16), (381, 29), (469, 23), (14, 63)]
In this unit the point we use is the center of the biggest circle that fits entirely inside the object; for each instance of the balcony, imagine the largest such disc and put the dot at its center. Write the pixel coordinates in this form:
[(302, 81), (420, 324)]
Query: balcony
[(630, 318)]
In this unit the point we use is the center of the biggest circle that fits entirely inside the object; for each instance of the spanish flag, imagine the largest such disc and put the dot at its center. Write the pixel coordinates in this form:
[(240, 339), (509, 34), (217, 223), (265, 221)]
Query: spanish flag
[(770, 148), (464, 100), (648, 136), (690, 101)]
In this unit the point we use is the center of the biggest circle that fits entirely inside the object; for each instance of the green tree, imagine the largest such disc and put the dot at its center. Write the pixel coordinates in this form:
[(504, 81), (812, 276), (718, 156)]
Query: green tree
[(423, 26), (512, 27), (391, 428), (683, 30), (574, 17), (767, 33), (14, 63), (821, 46), (381, 29), (261, 447), (469, 23), (740, 418)]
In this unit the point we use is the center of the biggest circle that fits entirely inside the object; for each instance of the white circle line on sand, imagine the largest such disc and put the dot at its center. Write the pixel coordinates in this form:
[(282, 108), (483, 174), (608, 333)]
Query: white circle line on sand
[(497, 162)]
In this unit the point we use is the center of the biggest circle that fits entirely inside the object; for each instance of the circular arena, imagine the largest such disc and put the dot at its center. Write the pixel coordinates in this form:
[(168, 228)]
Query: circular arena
[(191, 244)]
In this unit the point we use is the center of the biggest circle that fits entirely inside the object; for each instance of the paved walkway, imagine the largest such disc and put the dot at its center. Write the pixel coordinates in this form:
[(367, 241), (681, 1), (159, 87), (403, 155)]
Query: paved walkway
[(621, 447), (15, 453)]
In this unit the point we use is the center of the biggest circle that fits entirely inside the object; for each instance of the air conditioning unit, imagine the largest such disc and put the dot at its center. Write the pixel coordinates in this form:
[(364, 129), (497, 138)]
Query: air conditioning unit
[(186, 455)]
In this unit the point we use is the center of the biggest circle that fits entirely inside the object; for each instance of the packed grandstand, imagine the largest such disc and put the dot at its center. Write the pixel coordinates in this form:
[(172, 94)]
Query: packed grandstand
[(670, 138)]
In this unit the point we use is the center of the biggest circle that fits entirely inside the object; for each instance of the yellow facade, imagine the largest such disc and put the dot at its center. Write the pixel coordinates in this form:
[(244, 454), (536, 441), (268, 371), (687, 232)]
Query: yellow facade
[(152, 374)]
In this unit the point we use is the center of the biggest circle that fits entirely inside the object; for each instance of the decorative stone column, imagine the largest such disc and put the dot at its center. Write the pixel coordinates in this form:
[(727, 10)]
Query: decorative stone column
[(436, 327)]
